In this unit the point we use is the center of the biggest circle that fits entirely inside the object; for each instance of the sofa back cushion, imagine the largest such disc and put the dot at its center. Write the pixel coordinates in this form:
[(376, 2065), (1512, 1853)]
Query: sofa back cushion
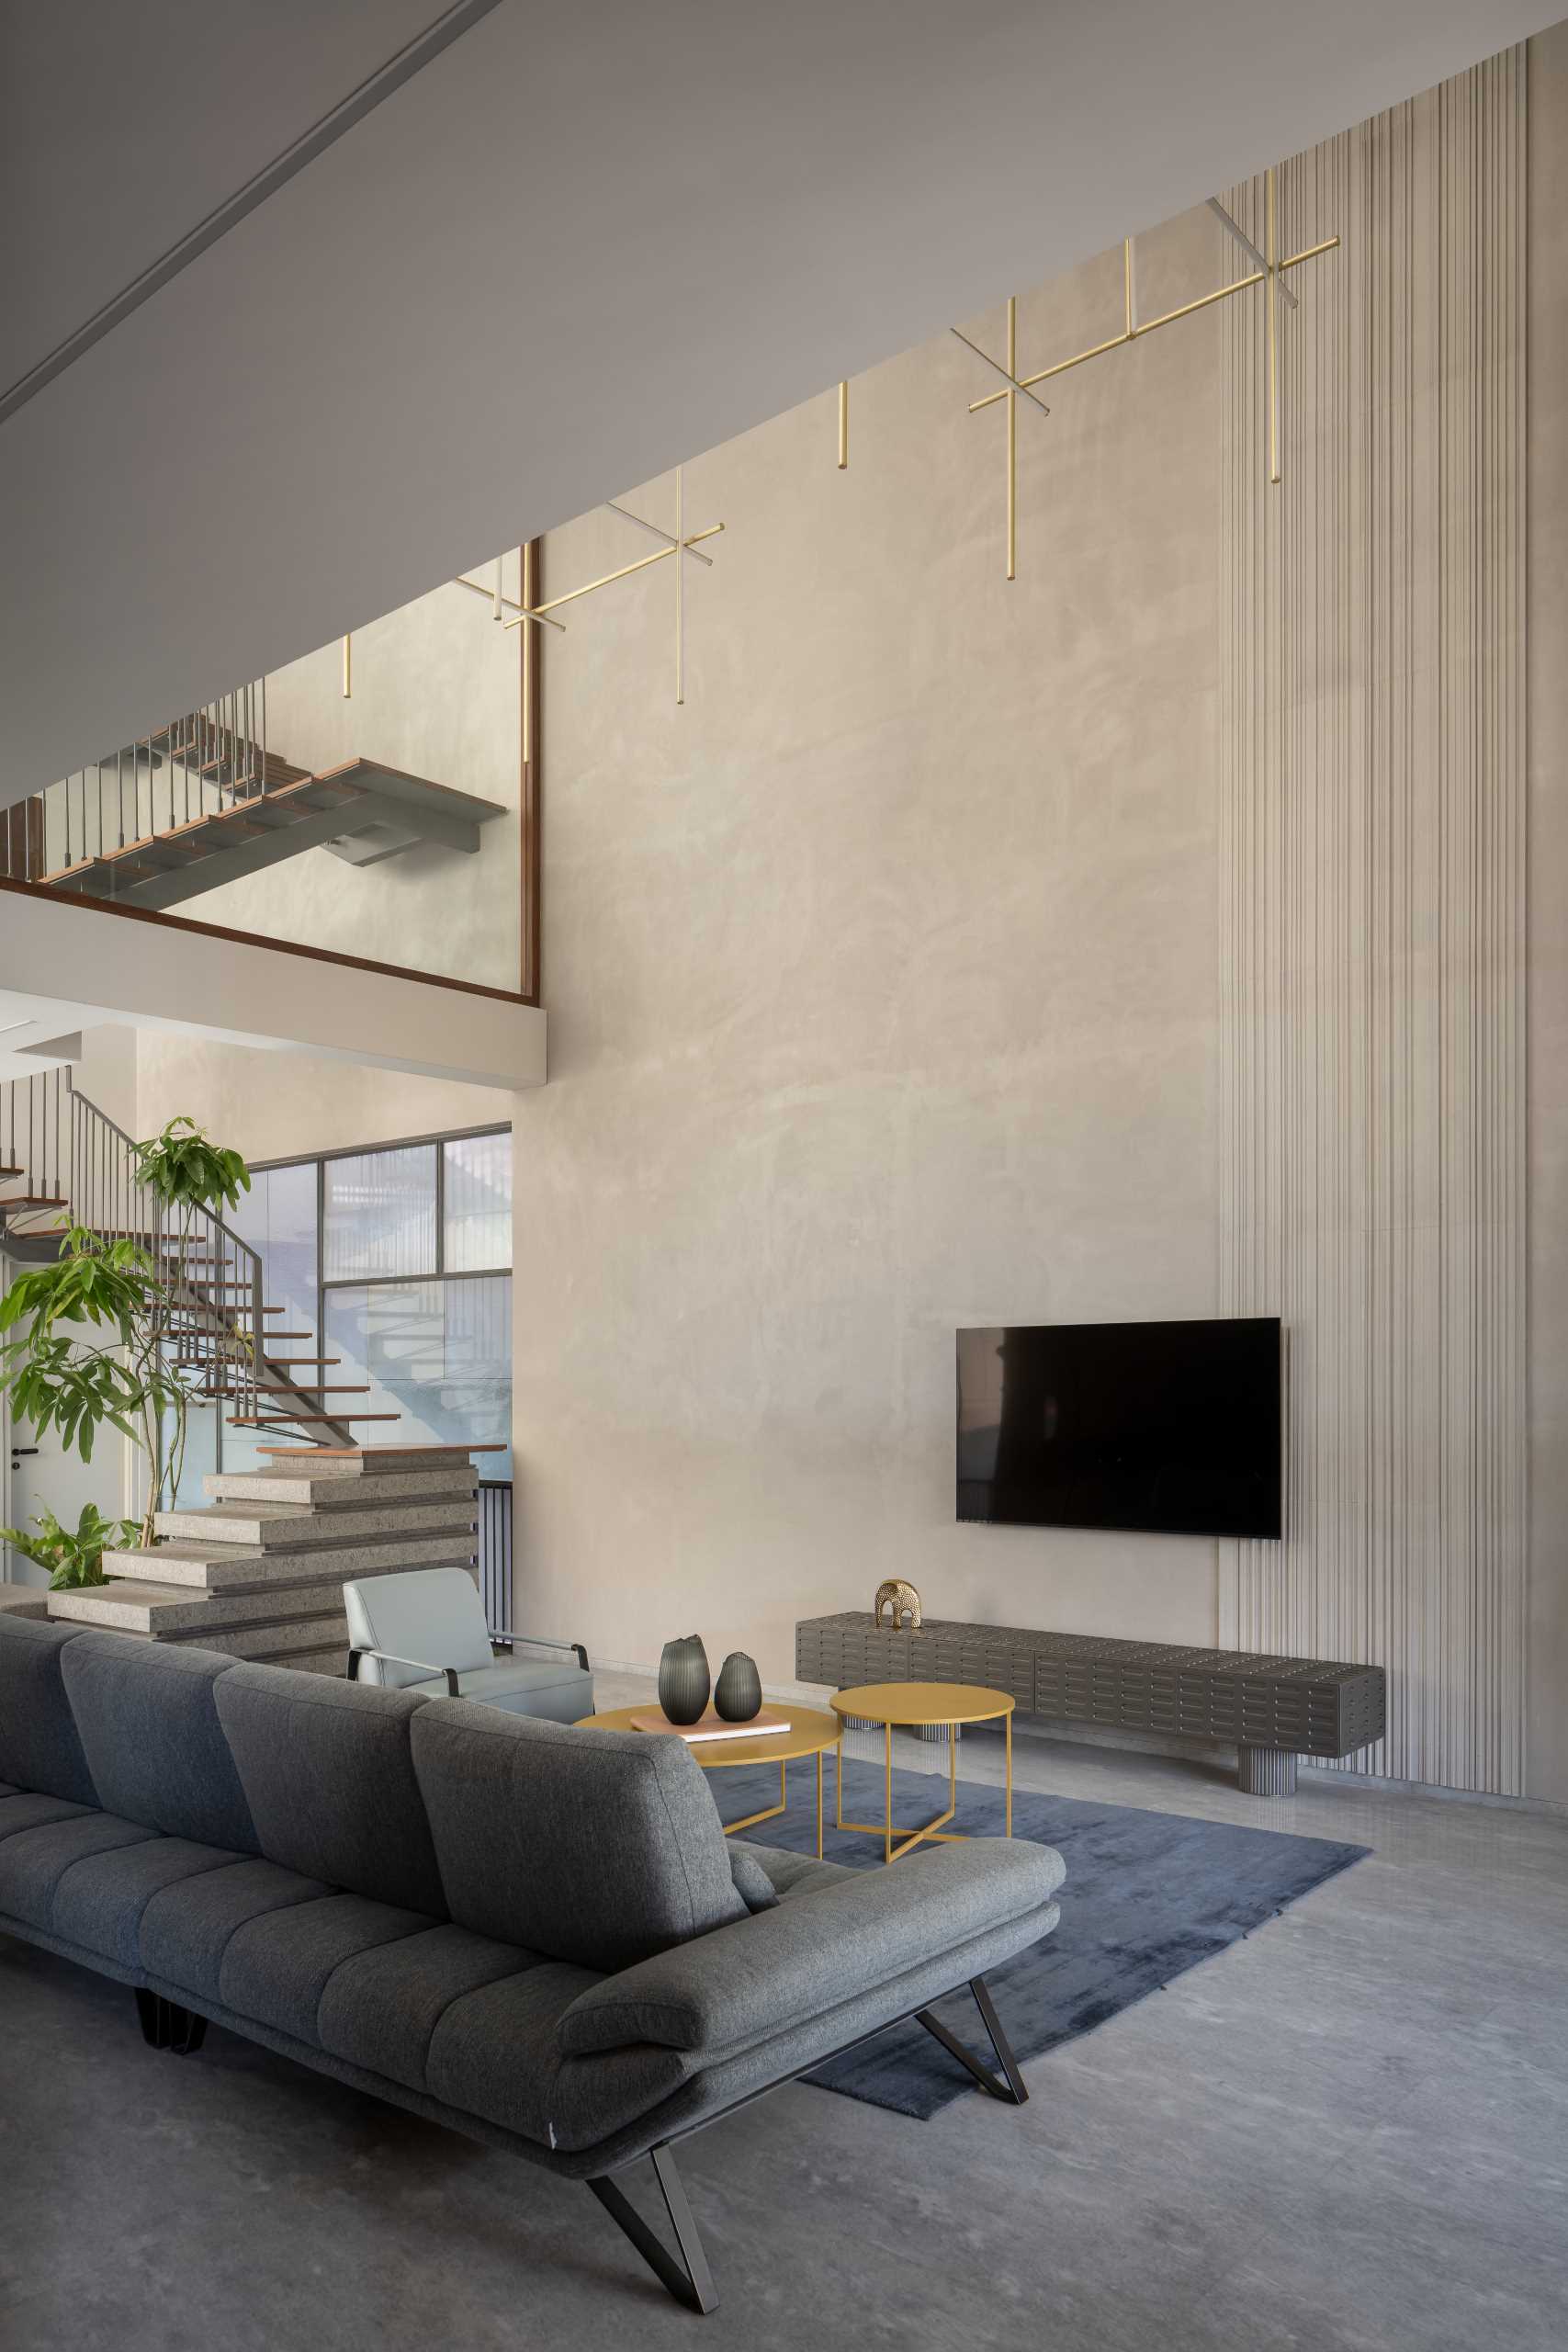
[(147, 1718), (599, 1848), (431, 1615), (40, 1747), (327, 1774)]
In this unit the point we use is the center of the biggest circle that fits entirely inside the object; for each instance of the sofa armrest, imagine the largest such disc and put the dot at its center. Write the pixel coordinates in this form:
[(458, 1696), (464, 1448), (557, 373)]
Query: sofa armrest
[(756, 1976)]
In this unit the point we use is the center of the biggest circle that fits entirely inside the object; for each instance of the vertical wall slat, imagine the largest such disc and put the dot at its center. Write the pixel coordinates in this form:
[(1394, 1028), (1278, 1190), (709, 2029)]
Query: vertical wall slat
[(1372, 918)]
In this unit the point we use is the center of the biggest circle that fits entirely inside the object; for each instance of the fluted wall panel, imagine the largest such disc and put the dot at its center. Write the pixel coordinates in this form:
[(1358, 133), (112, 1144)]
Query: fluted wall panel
[(1372, 1122)]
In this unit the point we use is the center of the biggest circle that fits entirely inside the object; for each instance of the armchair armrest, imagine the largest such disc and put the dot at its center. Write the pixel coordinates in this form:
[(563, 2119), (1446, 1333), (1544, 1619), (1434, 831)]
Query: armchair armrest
[(756, 1976), (539, 1641), (390, 1658)]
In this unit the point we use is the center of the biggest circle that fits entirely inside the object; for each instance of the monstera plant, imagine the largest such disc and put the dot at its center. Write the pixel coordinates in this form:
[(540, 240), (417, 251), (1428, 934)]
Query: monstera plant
[(90, 1329)]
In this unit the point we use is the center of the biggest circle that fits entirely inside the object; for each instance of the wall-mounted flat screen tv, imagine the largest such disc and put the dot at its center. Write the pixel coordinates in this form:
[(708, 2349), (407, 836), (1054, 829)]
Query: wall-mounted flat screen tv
[(1161, 1428)]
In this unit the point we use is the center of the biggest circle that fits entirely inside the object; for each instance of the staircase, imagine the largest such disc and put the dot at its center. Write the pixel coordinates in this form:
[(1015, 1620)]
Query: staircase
[(203, 801), (258, 1573)]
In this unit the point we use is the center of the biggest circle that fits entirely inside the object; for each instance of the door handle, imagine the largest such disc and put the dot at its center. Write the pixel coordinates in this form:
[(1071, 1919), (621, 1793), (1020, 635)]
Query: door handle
[(17, 1452)]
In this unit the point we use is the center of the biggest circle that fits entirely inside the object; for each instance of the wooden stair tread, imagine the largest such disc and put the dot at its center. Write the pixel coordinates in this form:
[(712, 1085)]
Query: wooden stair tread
[(283, 1421)]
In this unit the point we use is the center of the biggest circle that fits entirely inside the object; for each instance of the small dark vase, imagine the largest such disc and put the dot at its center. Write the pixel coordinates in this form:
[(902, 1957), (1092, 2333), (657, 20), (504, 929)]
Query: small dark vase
[(737, 1693), (683, 1682)]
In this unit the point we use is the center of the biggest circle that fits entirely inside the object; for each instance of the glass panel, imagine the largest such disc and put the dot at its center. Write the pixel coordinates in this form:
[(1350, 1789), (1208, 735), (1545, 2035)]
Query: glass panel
[(477, 1181), (278, 1217), (201, 1451), (380, 1213), (440, 1353)]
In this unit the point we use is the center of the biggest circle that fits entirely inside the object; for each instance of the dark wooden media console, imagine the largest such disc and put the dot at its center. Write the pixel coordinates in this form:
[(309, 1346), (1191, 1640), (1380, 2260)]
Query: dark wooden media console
[(1271, 1709)]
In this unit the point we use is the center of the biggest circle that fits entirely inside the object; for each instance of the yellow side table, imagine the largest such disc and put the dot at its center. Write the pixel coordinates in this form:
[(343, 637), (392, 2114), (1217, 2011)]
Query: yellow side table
[(928, 1705), (809, 1733)]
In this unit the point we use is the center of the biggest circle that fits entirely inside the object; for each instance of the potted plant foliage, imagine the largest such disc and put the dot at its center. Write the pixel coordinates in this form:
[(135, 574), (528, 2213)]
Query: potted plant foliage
[(91, 1327), (72, 1556)]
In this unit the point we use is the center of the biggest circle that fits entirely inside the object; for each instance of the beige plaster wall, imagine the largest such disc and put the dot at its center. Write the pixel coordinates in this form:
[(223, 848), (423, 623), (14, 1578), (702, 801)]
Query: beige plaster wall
[(272, 1106), (436, 692), (882, 989)]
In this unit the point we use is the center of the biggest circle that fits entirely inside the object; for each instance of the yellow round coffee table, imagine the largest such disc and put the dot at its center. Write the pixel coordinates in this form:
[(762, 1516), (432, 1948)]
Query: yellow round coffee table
[(809, 1733), (928, 1705)]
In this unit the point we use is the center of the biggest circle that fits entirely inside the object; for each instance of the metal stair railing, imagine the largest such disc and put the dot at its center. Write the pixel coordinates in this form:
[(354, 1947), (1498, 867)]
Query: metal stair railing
[(204, 764), (77, 1167)]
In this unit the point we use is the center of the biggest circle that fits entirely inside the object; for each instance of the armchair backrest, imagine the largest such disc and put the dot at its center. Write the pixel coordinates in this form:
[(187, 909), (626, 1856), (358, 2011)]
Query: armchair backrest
[(434, 1614)]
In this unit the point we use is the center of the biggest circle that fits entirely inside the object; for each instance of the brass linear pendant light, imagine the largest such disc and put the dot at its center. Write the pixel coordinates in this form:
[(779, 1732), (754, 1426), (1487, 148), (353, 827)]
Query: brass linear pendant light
[(1269, 271)]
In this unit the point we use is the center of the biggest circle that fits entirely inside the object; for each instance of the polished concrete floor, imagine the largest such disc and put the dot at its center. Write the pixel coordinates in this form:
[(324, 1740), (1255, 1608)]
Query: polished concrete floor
[(1347, 2134)]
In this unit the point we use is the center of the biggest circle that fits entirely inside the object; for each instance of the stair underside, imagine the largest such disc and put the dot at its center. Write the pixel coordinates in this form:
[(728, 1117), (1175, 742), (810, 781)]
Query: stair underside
[(365, 802)]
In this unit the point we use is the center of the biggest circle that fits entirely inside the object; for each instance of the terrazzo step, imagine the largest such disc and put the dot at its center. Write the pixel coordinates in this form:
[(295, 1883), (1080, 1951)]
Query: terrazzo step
[(233, 1569), (274, 1526), (23, 1601), (456, 1484), (166, 1610), (137, 1610)]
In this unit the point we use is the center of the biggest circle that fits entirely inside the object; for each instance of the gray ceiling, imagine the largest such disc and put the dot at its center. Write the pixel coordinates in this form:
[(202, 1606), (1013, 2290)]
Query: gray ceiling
[(582, 242)]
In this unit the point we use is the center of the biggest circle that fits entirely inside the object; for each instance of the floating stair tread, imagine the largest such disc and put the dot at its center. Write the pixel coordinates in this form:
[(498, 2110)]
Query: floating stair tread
[(33, 1201), (411, 792), (372, 1453), (337, 1420)]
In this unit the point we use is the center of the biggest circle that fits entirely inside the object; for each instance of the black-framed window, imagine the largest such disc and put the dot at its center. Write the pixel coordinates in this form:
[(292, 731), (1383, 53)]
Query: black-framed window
[(396, 1261)]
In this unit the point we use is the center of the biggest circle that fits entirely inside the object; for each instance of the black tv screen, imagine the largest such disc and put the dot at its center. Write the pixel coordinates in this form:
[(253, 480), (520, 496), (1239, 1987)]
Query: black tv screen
[(1163, 1427)]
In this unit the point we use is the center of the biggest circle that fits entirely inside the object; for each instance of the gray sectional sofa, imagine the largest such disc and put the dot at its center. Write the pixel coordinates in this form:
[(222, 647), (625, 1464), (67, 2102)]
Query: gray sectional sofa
[(538, 1936)]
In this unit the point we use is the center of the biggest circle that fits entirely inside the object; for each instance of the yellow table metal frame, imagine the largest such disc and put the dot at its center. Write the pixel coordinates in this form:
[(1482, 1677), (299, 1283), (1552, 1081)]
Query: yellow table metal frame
[(809, 1733), (928, 1705)]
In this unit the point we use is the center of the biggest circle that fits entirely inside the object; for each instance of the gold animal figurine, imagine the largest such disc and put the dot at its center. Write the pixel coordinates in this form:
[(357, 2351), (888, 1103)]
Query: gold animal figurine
[(902, 1600)]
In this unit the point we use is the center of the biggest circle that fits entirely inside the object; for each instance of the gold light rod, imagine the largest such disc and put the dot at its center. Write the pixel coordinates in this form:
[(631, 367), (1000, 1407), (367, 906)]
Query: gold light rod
[(543, 612), (347, 667), (669, 537), (1016, 383), (843, 426), (1147, 326), (523, 612)]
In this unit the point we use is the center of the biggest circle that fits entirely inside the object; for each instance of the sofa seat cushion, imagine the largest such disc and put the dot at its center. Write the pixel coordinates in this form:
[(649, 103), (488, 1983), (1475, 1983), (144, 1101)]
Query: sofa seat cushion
[(99, 1901), (24, 1809), (530, 2089), (186, 1929), (39, 1744), (381, 2009), (154, 1746), (33, 1863), (276, 1968)]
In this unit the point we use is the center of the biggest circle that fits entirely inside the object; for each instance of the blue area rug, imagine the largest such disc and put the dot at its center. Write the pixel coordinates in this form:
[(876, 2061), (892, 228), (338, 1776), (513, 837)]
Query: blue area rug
[(1147, 1895)]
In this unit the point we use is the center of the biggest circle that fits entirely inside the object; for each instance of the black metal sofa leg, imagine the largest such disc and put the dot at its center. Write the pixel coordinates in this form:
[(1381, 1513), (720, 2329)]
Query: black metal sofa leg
[(166, 2026), (689, 2278), (1013, 2090)]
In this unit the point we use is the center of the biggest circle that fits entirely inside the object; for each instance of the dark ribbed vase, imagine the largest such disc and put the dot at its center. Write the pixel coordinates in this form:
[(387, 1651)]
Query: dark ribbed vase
[(737, 1693), (683, 1680)]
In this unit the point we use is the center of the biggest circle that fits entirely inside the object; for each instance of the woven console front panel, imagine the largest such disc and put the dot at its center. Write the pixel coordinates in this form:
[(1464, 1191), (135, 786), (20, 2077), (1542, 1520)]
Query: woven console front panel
[(1313, 1706)]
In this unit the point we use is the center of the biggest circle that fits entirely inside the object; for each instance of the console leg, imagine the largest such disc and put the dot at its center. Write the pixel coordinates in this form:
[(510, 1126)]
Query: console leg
[(149, 2010), (688, 2280), (1266, 1771), (1013, 2090)]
